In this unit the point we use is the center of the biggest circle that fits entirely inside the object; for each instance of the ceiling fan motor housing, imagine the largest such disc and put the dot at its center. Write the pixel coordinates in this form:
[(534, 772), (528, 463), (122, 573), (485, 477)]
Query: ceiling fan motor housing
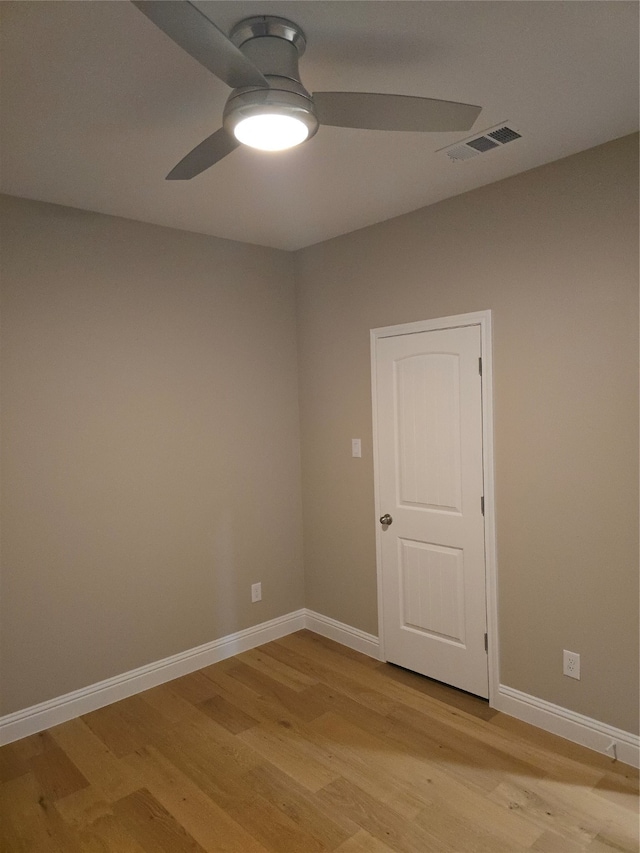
[(274, 45)]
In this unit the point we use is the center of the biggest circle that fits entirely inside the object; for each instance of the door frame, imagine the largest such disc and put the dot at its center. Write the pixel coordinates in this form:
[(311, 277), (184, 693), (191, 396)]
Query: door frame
[(483, 320)]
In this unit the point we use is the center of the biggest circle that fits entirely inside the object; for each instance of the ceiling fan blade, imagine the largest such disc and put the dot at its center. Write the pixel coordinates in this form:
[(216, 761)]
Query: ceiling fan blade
[(373, 111), (188, 27), (212, 149)]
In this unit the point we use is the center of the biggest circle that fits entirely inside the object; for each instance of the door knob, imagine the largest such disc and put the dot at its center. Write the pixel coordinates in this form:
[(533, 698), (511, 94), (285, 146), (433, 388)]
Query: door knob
[(386, 519)]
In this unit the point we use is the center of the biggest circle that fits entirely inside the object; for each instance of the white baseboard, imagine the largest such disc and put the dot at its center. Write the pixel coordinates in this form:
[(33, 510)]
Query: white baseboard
[(67, 707), (551, 718), (572, 726), (353, 638)]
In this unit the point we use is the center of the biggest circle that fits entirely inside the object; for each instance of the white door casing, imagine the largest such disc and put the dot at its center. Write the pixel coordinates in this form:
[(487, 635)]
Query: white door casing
[(433, 473)]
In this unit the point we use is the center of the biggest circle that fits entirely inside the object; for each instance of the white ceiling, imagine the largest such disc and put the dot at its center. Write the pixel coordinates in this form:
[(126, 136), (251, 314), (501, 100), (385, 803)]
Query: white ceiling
[(98, 105)]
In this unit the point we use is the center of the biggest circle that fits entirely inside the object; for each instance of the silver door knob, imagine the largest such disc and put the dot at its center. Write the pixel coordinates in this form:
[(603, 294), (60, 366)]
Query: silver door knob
[(386, 519)]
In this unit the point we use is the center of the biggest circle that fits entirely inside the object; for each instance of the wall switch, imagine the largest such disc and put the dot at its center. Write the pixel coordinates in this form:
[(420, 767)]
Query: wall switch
[(356, 447), (256, 592), (571, 664)]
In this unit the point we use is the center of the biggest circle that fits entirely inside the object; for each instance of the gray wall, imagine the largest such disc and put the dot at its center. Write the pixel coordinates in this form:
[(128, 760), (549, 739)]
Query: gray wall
[(149, 421), (554, 254), (150, 457)]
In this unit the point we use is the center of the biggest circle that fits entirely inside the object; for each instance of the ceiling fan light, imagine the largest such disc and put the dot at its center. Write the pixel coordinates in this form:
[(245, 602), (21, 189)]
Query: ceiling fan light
[(271, 119), (271, 131)]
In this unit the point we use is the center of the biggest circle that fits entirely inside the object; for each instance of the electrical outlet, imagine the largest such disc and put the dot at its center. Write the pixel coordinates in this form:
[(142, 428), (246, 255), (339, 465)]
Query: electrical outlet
[(256, 592), (571, 664)]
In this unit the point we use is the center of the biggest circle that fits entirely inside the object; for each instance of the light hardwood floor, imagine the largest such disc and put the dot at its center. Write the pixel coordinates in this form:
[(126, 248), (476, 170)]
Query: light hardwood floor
[(304, 746)]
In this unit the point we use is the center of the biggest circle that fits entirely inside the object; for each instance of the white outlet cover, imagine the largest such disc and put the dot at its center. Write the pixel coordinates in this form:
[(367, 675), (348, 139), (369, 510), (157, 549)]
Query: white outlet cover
[(571, 664)]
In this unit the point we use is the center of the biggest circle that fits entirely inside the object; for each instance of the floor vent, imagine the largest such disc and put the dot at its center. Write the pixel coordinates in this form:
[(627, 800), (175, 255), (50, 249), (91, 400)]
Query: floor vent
[(494, 137)]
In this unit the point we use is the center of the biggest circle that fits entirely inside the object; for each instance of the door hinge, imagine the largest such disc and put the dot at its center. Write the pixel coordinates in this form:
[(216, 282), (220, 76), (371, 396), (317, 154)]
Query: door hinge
[(482, 504), (480, 365), (486, 643)]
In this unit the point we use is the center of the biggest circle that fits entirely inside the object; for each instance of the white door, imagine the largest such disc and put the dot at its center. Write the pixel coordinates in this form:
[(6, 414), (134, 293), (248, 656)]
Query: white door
[(430, 482)]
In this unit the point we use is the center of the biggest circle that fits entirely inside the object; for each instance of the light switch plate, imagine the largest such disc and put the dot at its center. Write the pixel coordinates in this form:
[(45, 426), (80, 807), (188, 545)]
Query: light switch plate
[(356, 447)]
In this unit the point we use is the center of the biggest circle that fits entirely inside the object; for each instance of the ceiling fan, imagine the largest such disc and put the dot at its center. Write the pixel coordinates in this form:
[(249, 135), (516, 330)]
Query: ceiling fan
[(269, 108)]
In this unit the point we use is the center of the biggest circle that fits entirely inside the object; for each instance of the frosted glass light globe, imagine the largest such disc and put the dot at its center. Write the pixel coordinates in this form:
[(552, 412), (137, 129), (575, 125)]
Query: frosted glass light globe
[(271, 131)]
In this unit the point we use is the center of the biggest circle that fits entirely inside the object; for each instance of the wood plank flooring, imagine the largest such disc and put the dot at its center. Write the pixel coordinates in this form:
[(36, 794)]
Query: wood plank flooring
[(304, 746)]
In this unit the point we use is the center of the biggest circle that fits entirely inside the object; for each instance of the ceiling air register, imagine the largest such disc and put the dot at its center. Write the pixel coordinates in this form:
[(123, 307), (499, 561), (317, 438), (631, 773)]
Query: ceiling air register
[(487, 141)]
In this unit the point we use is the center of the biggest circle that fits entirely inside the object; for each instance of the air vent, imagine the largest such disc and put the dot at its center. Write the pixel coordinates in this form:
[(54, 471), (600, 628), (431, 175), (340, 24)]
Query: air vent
[(461, 152), (504, 134), (482, 143), (493, 137)]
